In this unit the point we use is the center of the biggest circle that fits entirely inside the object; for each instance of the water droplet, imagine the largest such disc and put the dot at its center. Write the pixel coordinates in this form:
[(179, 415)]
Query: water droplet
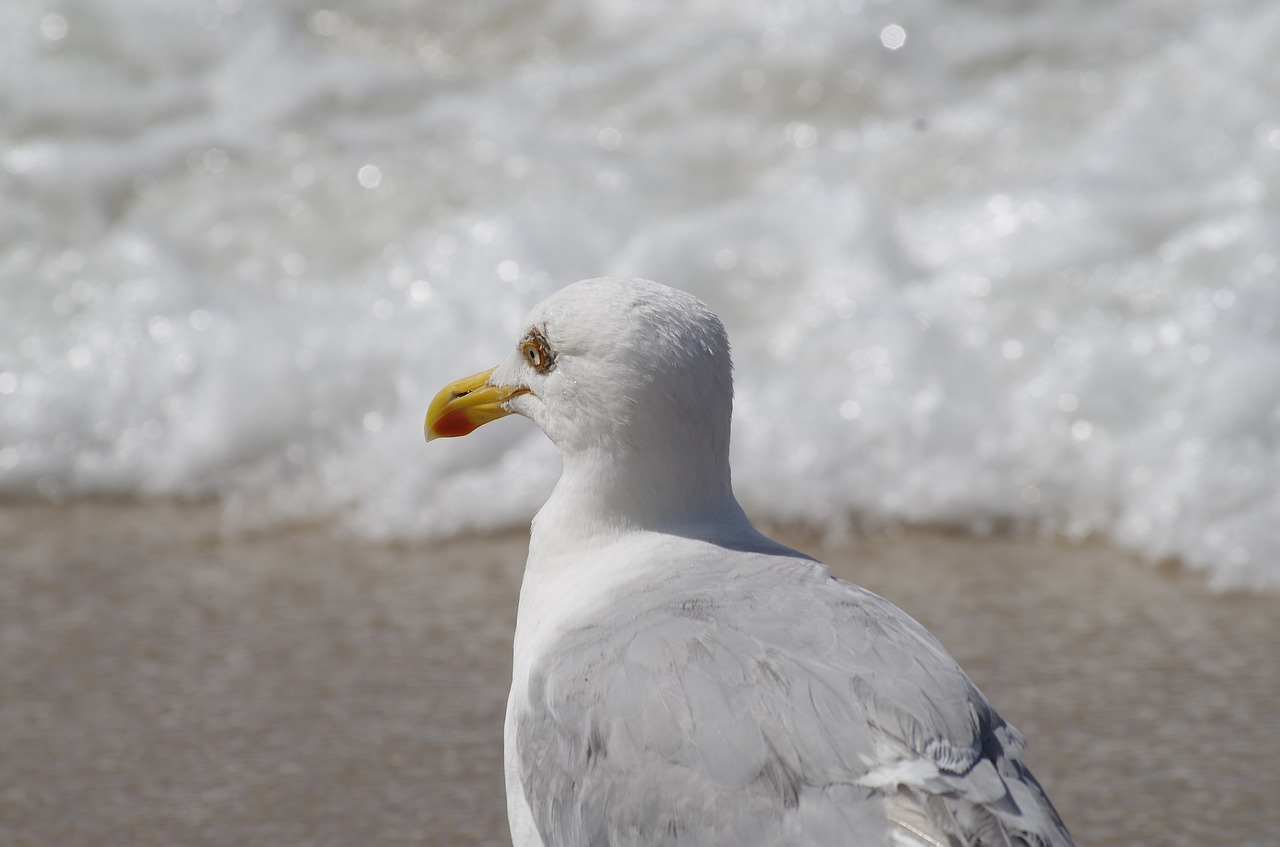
[(851, 82), (160, 328), (609, 138), (726, 259), (1011, 349), (446, 245), (293, 263), (324, 23), (303, 175), (79, 356), (53, 27), (893, 36), (773, 39), (214, 160), (803, 135), (420, 290)]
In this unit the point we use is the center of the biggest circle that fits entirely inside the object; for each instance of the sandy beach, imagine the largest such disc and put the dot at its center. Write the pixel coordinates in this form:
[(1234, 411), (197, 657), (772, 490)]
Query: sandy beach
[(161, 684)]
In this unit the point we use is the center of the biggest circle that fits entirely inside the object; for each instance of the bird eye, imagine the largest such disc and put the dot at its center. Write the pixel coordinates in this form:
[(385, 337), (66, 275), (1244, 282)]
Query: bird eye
[(534, 354)]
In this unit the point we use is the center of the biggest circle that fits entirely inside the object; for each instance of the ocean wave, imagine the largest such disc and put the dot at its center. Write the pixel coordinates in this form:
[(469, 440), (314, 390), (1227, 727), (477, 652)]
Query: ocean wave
[(982, 266)]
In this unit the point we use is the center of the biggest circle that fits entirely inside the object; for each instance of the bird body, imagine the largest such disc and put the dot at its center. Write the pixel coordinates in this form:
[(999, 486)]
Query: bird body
[(680, 679)]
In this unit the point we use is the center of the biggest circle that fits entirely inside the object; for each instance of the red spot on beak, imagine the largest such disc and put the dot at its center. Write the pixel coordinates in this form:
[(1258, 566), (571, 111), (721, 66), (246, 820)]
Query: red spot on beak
[(454, 423)]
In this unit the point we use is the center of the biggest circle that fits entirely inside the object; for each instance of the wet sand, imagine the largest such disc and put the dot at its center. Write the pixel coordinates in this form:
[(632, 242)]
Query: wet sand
[(163, 685)]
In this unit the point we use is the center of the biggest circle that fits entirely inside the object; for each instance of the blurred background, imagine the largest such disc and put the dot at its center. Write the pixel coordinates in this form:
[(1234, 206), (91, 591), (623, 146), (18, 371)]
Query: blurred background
[(1000, 267), (990, 265)]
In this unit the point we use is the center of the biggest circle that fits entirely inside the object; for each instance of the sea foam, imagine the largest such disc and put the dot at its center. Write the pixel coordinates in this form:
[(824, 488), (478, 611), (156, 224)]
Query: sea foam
[(984, 265)]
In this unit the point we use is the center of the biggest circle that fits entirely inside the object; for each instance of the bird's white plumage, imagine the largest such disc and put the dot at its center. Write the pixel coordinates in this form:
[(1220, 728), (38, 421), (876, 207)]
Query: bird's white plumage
[(679, 678)]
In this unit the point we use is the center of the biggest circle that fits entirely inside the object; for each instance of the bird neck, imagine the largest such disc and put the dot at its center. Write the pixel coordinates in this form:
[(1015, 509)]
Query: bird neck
[(603, 494)]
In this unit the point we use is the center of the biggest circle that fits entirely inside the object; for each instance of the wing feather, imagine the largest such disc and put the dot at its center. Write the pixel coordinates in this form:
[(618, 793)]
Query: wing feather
[(698, 712)]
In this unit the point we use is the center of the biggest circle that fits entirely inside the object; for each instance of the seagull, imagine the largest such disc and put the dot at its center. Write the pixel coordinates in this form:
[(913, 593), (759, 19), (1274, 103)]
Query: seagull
[(679, 678)]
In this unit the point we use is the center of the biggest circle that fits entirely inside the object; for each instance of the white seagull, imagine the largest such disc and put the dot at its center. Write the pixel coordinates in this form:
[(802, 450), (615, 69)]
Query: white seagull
[(679, 678)]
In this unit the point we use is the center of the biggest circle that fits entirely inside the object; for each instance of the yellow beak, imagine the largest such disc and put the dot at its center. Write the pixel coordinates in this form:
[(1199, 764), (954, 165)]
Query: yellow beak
[(463, 406)]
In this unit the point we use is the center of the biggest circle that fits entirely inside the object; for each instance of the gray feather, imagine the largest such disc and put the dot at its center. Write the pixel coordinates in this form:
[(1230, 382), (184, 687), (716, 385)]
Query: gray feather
[(698, 711)]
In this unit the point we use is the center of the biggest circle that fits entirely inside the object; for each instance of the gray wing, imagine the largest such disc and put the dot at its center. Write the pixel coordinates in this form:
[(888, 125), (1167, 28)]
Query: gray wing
[(771, 706)]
